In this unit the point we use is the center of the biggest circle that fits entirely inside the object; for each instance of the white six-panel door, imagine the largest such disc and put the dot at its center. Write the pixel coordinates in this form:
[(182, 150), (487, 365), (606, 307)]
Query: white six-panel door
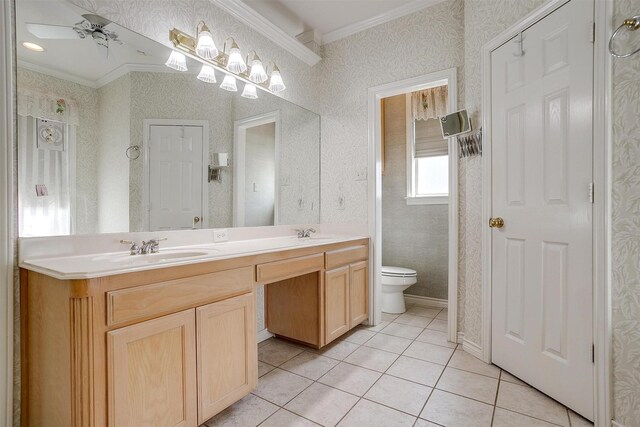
[(175, 177), (541, 132)]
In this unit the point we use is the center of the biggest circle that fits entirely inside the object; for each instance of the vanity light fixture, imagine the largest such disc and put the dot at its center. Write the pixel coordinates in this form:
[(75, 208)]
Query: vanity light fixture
[(257, 73), (275, 83), (177, 61), (205, 48), (207, 74), (229, 83), (235, 63), (231, 63), (250, 91), (32, 46)]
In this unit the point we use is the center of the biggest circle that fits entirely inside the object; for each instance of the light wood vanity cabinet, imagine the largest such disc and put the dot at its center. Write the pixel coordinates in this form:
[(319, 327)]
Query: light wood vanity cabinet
[(174, 346)]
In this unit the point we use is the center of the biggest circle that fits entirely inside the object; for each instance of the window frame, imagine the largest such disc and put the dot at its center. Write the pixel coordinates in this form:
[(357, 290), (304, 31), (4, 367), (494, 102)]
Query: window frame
[(412, 198)]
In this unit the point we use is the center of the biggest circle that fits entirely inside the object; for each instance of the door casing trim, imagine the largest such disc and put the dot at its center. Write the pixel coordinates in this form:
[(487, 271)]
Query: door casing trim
[(602, 140)]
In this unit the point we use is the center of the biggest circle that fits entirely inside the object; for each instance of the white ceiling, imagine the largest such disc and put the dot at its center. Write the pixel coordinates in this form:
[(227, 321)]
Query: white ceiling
[(81, 60), (333, 19)]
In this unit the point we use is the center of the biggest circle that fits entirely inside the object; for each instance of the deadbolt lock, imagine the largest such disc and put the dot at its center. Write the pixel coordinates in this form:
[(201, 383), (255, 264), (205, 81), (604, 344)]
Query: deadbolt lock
[(496, 222)]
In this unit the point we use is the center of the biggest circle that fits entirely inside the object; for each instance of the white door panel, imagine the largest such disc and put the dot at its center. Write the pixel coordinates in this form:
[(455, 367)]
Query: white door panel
[(175, 177), (541, 169)]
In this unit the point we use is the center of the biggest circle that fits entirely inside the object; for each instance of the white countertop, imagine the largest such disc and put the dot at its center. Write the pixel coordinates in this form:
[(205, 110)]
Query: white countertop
[(111, 263)]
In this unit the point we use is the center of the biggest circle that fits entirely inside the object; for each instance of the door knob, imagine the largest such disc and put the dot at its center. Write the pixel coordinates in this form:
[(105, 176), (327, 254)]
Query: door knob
[(496, 222), (196, 219)]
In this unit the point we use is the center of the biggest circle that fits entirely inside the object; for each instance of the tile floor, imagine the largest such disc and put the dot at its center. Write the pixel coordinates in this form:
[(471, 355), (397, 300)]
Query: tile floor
[(402, 372)]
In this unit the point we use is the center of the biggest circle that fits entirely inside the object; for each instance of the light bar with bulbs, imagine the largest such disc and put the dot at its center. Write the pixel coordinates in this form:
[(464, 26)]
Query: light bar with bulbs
[(202, 48)]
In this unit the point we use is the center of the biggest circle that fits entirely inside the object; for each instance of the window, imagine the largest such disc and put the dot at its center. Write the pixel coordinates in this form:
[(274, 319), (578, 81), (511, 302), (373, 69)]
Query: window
[(427, 161)]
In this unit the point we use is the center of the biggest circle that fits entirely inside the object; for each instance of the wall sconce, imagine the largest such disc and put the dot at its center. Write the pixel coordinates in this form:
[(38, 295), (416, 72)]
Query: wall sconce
[(205, 47), (219, 162)]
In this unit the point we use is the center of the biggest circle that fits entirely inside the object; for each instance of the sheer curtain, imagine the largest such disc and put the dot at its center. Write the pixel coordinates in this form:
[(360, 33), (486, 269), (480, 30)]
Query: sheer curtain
[(43, 163), (430, 103)]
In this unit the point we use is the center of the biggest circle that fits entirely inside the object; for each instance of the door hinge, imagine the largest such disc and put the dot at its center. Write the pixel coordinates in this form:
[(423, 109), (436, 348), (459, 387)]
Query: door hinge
[(593, 353), (592, 36), (591, 192)]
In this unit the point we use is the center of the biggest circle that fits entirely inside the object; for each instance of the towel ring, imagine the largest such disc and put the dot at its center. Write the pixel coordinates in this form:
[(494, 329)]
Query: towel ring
[(632, 24), (135, 148)]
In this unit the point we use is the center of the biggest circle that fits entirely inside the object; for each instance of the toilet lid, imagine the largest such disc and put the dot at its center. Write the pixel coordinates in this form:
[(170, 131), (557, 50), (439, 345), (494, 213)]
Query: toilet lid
[(397, 271)]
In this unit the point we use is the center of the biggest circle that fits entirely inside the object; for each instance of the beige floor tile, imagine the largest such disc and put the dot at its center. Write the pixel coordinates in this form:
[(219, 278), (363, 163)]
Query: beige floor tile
[(284, 418), (247, 412), (529, 401), (415, 370), (578, 421), (401, 330), (443, 315), (463, 360), (450, 410), (438, 325), (424, 423), (264, 368), (322, 404), (276, 352), (468, 384), (388, 343), (367, 413), (338, 350), (389, 317), (280, 386), (309, 365), (504, 418), (435, 337), (399, 394), (359, 336), (506, 376), (429, 352), (413, 320), (372, 358), (380, 326), (350, 378), (424, 311)]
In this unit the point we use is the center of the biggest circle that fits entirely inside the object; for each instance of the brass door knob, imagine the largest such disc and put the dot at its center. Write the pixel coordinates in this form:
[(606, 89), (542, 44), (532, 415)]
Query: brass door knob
[(496, 222)]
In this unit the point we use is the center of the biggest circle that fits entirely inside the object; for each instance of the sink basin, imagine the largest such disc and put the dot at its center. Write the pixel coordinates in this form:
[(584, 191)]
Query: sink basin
[(126, 259)]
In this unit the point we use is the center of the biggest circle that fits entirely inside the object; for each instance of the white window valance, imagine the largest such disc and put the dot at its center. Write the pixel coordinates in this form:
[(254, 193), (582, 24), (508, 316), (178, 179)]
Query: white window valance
[(429, 103), (48, 106)]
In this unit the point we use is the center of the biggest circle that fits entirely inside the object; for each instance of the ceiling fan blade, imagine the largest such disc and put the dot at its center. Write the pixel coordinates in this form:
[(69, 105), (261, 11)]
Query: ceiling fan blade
[(45, 31)]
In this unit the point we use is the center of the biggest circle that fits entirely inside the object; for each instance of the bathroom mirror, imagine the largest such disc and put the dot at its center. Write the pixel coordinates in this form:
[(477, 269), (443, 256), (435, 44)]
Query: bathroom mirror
[(112, 140), (455, 123)]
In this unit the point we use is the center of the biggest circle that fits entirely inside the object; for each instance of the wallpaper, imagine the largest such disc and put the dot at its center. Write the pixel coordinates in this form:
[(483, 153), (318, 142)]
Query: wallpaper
[(86, 141), (413, 236), (625, 225)]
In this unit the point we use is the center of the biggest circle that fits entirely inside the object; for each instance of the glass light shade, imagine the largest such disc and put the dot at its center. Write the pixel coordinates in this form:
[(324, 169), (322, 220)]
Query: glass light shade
[(236, 64), (177, 61), (206, 48), (276, 84), (250, 91), (258, 74), (207, 74), (229, 83)]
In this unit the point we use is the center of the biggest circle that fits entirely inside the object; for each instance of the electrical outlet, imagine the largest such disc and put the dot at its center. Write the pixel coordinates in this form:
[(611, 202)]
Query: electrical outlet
[(220, 235), (361, 175)]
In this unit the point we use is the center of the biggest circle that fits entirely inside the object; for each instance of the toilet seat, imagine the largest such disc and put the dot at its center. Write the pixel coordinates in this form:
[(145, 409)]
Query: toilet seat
[(390, 271)]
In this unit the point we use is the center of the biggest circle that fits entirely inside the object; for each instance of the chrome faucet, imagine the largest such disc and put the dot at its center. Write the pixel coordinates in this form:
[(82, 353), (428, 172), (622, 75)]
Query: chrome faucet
[(135, 249), (149, 247), (306, 232)]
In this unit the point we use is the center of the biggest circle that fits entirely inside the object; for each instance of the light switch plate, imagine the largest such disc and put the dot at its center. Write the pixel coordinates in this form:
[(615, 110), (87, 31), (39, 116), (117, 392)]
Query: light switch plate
[(220, 235)]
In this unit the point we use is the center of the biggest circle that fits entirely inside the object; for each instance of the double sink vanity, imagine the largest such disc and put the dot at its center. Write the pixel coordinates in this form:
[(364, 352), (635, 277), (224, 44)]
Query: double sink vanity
[(169, 339)]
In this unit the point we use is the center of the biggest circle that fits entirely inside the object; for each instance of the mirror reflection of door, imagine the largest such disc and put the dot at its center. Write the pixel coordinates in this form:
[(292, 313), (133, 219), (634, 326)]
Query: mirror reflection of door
[(256, 161)]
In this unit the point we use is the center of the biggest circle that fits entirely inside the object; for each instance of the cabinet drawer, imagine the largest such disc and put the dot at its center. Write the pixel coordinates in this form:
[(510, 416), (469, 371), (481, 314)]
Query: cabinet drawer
[(280, 270), (159, 298), (346, 256)]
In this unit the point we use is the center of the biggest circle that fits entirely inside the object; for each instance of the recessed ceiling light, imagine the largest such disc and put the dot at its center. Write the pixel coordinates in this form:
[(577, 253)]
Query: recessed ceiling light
[(32, 46)]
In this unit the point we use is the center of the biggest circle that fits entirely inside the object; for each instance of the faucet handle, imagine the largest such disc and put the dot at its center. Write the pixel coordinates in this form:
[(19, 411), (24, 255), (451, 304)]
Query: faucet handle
[(135, 249), (155, 244)]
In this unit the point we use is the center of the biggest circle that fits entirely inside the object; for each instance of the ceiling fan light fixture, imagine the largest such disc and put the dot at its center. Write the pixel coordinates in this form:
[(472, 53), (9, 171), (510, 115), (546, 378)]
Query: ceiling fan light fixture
[(206, 48), (177, 61), (33, 46)]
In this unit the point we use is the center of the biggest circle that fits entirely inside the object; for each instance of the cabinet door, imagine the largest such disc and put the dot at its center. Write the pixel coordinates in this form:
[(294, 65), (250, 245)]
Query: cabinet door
[(358, 292), (152, 372), (227, 353), (336, 303)]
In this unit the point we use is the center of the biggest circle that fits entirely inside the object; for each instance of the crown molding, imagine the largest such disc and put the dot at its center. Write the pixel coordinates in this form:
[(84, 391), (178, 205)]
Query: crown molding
[(390, 15), (57, 74), (125, 69), (245, 14)]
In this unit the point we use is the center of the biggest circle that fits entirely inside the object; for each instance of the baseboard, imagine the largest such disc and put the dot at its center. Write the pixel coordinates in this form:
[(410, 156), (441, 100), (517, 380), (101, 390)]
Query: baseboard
[(472, 348), (615, 424), (460, 337), (264, 335), (426, 301)]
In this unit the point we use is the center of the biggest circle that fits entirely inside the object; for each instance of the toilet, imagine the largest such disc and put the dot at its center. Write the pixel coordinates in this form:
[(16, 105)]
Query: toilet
[(394, 281)]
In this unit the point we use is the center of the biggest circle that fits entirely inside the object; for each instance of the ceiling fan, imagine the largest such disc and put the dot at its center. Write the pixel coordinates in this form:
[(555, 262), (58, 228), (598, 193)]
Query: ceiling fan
[(92, 25)]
